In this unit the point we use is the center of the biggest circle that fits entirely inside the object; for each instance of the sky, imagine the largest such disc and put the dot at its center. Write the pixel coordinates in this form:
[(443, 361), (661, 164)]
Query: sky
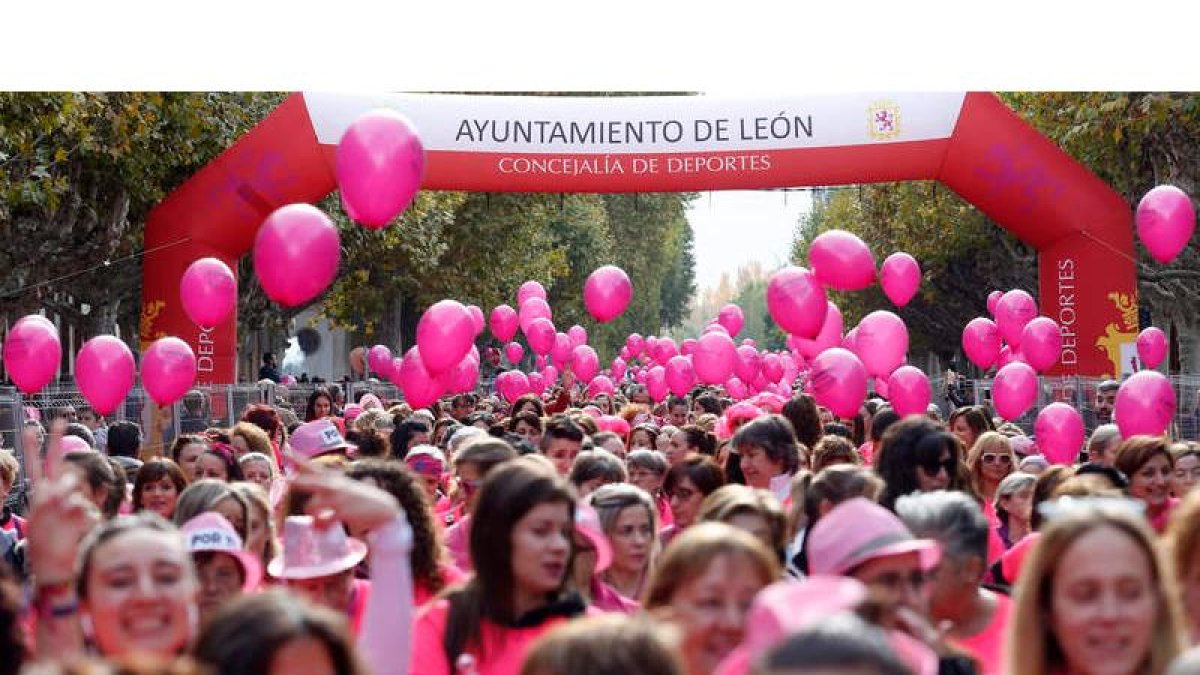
[(732, 228)]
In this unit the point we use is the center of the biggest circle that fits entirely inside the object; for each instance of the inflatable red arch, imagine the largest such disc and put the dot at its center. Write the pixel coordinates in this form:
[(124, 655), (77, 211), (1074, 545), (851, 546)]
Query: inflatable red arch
[(971, 142)]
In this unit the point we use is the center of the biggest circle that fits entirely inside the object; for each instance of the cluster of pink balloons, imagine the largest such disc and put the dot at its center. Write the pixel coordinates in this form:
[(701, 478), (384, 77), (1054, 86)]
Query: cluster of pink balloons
[(1019, 343), (104, 367)]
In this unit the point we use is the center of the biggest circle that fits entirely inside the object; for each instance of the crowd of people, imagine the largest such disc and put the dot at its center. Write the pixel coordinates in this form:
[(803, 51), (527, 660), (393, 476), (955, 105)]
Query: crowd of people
[(698, 535)]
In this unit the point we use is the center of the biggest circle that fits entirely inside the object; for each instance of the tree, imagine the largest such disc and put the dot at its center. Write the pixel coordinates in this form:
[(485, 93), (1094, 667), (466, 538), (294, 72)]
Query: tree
[(79, 171)]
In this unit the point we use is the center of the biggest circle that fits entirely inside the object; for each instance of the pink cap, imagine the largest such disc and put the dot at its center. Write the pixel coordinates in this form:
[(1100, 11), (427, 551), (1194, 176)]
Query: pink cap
[(211, 532), (587, 523), (309, 553), (351, 411), (316, 438), (858, 530)]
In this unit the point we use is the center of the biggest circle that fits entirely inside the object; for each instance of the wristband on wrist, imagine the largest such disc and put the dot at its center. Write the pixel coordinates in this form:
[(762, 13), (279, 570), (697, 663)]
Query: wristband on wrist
[(55, 600)]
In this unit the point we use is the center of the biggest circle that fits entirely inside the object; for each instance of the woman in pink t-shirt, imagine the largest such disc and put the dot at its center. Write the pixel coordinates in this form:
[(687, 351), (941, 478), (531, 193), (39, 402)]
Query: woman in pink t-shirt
[(520, 544)]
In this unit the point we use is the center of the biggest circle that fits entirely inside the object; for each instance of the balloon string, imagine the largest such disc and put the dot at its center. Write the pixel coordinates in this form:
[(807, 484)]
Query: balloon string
[(106, 263), (1088, 235)]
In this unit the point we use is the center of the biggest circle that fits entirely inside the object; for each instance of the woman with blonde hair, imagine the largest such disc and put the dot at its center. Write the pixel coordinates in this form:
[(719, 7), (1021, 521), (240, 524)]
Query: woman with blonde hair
[(629, 519), (1095, 595), (704, 584), (990, 459), (260, 525), (752, 510), (1183, 544), (246, 438)]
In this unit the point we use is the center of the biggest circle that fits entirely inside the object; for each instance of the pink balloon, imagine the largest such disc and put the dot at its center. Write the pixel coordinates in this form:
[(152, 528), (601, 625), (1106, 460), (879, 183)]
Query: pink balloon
[(882, 342), (462, 377), (514, 352), (656, 383), (584, 363), (841, 260), (540, 335), (296, 254), (981, 342), (881, 386), (680, 375), (664, 350), (732, 318), (687, 346), (1151, 347), (1014, 390), (748, 363), (607, 293), (716, 328), (445, 334), (503, 323), (32, 353), (830, 335), (601, 385), (992, 299), (651, 342), (104, 371), (772, 367), (900, 277), (737, 389), (379, 165), (531, 309), (796, 301), (1014, 309), (750, 342), (379, 359), (618, 368), (420, 387), (714, 358), (1165, 222), (512, 385), (539, 362), (393, 376), (208, 292), (1059, 432), (578, 335), (530, 289), (168, 370), (909, 391), (1007, 356), (561, 350), (850, 341), (614, 424), (635, 343), (838, 381), (550, 374), (1041, 343), (537, 383), (476, 319), (1145, 404)]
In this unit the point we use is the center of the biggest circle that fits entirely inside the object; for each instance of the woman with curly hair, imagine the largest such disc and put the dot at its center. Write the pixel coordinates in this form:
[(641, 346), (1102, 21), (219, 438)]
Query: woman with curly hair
[(431, 570)]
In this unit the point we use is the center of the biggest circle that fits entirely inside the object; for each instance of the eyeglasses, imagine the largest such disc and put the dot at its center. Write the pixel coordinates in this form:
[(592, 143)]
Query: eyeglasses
[(933, 466), (993, 457)]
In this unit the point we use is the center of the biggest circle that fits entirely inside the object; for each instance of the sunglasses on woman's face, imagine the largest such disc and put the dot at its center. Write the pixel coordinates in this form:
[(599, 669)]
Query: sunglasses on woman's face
[(993, 457)]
